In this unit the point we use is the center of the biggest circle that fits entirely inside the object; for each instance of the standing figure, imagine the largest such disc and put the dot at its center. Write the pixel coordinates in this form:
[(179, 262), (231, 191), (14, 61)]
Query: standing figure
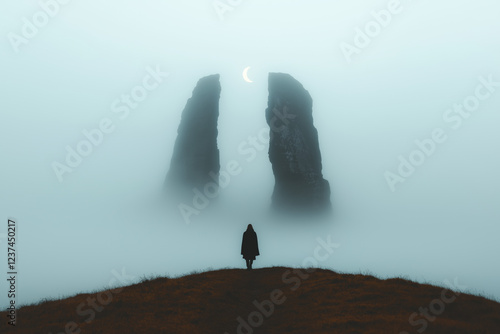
[(249, 246)]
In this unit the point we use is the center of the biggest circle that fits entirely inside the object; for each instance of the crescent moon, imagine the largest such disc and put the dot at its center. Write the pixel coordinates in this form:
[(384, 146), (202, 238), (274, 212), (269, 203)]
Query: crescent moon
[(245, 75)]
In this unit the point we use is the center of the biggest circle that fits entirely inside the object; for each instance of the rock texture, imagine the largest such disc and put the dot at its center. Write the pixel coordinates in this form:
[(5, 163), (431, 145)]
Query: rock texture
[(294, 149), (195, 160)]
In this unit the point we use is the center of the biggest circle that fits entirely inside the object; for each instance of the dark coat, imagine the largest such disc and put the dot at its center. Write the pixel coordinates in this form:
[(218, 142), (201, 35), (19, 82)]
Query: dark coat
[(249, 245)]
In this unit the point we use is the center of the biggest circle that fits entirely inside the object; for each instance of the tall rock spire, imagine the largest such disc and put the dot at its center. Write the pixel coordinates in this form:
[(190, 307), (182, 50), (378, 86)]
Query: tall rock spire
[(294, 149), (195, 160)]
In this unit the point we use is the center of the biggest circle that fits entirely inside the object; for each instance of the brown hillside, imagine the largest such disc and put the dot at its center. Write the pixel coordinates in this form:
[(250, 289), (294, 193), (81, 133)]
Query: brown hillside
[(211, 302)]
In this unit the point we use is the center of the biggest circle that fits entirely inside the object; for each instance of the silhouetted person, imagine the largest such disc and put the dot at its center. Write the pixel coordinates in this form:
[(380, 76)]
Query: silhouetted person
[(249, 246)]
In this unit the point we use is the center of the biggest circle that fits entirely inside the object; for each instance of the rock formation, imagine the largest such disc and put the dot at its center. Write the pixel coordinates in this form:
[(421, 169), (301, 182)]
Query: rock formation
[(294, 149), (195, 160)]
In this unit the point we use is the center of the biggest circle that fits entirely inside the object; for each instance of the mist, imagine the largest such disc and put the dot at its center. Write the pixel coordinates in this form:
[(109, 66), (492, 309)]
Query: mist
[(370, 107)]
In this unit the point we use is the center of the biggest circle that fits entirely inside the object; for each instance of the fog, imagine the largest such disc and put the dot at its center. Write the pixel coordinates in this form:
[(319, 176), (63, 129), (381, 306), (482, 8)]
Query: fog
[(370, 106)]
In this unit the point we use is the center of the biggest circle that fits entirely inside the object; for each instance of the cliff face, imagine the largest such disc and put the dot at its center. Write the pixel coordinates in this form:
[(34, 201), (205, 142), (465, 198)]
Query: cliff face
[(195, 160), (294, 149)]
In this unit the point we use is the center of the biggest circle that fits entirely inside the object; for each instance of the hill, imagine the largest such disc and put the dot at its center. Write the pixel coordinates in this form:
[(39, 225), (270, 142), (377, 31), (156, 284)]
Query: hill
[(268, 300)]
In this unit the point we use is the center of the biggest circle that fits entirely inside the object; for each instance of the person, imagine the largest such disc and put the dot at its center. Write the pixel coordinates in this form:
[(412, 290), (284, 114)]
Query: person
[(249, 246)]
